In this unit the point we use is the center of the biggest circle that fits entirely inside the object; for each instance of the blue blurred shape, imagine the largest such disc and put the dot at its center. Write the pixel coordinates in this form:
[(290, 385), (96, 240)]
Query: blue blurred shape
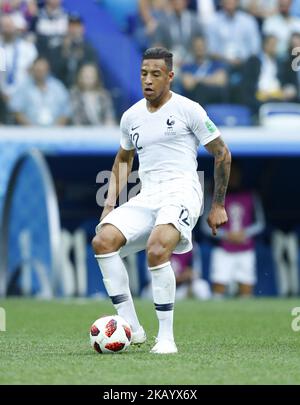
[(230, 115)]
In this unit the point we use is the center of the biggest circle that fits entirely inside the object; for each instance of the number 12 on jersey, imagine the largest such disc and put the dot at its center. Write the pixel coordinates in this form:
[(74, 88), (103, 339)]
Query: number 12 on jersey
[(135, 140)]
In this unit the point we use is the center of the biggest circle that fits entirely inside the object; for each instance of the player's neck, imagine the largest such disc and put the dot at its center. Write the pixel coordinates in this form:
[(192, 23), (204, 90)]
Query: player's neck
[(155, 105)]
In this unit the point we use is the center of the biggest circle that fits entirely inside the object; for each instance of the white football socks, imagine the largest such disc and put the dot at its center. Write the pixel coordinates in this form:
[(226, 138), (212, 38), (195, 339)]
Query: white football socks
[(164, 288), (115, 279)]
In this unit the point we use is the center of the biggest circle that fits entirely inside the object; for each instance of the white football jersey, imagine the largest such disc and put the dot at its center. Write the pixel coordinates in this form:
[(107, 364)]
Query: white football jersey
[(167, 140)]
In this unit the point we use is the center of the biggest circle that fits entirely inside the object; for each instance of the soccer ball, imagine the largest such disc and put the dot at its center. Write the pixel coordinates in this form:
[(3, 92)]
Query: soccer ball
[(110, 334)]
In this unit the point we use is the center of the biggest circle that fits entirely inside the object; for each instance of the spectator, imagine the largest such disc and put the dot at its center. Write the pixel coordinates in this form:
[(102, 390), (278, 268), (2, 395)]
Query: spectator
[(269, 85), (151, 11), (233, 35), (144, 25), (234, 38), (51, 27), (19, 56), (290, 74), (42, 100), (233, 261), (91, 103), (260, 9), (75, 51), (285, 252), (23, 12), (206, 11), (177, 30), (282, 25), (204, 80)]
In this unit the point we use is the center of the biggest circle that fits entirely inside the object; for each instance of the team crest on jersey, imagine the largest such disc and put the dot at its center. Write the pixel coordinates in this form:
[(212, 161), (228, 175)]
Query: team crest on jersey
[(170, 124)]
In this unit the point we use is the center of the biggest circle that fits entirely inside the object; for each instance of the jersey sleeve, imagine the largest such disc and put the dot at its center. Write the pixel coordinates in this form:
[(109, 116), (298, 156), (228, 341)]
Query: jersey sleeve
[(125, 140), (201, 125)]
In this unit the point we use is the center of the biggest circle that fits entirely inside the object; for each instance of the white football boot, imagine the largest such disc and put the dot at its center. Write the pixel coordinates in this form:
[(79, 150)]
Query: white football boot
[(138, 337), (164, 346)]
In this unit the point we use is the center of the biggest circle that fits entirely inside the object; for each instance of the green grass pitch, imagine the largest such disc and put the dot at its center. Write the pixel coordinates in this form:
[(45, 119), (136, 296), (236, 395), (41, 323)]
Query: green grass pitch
[(232, 342)]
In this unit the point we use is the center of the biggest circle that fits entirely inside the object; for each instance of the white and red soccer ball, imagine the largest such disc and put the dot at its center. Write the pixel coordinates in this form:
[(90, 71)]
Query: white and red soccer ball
[(110, 334)]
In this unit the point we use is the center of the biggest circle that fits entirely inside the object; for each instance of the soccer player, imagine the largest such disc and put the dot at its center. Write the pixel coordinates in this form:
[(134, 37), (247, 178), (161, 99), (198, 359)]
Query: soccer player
[(165, 129)]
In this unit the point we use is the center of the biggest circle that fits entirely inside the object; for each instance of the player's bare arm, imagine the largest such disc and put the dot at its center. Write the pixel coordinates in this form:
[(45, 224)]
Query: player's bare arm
[(120, 171), (217, 216)]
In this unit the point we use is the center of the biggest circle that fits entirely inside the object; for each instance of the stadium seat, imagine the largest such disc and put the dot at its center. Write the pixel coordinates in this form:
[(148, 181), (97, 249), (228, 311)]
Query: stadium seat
[(284, 114), (229, 115)]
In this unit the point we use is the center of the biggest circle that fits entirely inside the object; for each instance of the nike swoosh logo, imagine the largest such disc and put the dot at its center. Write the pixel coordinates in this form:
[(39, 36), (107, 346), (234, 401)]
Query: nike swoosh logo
[(133, 129)]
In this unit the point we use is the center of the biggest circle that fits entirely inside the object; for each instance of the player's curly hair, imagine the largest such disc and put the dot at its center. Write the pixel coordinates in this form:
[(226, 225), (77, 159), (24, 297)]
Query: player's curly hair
[(160, 53)]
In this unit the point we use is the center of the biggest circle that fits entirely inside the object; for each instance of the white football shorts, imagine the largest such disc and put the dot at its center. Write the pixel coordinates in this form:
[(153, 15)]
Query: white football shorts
[(137, 217), (227, 267)]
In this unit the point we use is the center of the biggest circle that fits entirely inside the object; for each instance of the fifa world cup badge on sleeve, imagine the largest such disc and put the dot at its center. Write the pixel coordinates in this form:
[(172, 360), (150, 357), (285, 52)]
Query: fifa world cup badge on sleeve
[(210, 126)]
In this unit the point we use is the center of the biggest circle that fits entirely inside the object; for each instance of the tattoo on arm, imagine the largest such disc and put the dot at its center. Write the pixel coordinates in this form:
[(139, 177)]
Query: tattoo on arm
[(222, 168)]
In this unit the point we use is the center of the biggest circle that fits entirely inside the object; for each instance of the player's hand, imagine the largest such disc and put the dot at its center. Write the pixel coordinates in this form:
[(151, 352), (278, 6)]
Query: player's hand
[(236, 237), (216, 218), (106, 210)]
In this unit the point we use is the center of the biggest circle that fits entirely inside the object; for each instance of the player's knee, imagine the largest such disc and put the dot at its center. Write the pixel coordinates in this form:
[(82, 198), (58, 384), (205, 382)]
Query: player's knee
[(100, 244), (104, 242), (157, 253)]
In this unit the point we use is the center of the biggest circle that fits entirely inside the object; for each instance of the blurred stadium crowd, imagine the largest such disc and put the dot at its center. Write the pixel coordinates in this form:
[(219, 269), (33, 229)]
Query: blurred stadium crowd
[(225, 51)]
